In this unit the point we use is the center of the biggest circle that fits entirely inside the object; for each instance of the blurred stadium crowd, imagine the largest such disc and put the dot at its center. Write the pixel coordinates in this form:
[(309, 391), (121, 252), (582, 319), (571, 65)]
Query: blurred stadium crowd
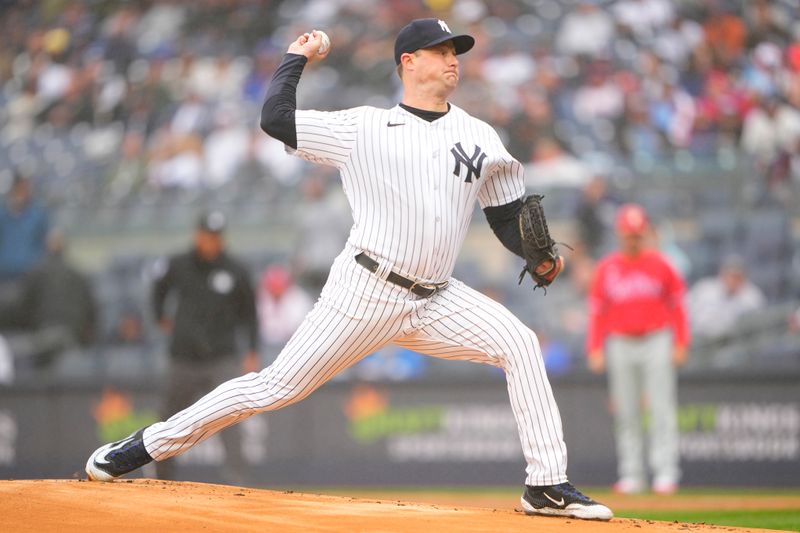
[(130, 117)]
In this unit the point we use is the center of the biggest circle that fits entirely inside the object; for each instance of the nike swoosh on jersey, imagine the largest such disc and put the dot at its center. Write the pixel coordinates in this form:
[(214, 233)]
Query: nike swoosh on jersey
[(392, 125), (102, 460), (560, 502)]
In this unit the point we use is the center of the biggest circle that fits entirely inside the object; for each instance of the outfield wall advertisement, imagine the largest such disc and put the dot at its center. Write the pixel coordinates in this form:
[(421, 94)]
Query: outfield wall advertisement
[(733, 432)]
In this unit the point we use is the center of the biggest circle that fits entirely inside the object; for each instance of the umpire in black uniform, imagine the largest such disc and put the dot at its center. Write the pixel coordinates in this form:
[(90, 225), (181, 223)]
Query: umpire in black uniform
[(214, 300)]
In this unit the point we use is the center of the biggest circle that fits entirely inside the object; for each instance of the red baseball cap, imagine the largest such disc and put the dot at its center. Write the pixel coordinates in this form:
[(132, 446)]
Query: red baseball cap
[(632, 219)]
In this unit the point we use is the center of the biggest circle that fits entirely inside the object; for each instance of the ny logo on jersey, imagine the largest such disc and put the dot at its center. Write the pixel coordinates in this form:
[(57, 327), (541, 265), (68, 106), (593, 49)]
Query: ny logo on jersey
[(473, 164), (444, 26)]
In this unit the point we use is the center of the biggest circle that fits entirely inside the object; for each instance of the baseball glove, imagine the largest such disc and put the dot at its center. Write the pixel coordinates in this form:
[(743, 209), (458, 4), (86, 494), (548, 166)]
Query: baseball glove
[(538, 249)]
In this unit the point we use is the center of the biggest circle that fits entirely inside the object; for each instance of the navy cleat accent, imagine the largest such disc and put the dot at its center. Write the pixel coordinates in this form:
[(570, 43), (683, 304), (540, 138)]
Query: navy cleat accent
[(562, 500), (117, 458)]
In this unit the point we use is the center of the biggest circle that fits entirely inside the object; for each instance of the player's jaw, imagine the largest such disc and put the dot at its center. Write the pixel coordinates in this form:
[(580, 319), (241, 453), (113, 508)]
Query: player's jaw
[(445, 81), (451, 76)]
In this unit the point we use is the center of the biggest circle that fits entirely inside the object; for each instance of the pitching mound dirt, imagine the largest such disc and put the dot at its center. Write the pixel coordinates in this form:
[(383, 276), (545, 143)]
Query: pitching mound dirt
[(147, 505)]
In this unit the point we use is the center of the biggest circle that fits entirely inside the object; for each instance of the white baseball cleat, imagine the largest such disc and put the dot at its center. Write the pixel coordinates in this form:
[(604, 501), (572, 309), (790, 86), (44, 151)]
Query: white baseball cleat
[(112, 460), (562, 500)]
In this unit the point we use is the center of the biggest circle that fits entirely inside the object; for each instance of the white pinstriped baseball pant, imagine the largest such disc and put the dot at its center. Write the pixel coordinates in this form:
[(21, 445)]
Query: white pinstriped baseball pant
[(357, 314)]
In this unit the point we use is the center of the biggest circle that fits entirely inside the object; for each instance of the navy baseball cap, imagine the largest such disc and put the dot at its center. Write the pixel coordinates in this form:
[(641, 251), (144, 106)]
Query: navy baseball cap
[(212, 222), (424, 33)]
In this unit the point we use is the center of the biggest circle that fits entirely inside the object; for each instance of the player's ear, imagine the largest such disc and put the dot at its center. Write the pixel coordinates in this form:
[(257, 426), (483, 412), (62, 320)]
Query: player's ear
[(407, 60)]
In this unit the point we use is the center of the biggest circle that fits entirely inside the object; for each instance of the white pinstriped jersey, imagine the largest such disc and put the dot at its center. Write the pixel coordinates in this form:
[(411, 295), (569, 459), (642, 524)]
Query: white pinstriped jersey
[(411, 184)]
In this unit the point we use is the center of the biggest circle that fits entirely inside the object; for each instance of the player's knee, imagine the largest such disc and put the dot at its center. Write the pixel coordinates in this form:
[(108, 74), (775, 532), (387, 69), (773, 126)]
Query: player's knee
[(524, 347), (525, 337)]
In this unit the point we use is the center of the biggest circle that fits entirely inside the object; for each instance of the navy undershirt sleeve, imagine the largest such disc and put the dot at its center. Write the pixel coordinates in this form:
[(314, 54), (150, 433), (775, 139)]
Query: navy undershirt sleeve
[(503, 220), (277, 115)]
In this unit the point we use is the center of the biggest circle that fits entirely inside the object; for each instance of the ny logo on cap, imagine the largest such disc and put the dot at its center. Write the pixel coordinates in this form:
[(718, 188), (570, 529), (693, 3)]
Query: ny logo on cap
[(444, 26), (473, 164)]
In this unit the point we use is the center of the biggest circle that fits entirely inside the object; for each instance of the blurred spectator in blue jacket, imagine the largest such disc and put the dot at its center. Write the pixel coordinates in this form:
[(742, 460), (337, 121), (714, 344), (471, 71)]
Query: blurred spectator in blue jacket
[(24, 223)]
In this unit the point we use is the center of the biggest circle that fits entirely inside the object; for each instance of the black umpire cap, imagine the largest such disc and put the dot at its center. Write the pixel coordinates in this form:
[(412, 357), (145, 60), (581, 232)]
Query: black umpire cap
[(212, 222), (424, 33)]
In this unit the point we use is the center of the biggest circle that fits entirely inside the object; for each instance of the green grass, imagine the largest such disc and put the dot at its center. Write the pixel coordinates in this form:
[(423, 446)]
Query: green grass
[(711, 491), (780, 519), (774, 519), (777, 519)]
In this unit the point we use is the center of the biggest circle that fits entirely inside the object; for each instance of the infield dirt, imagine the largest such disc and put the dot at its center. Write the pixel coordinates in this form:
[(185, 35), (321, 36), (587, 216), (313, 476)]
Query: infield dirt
[(150, 505)]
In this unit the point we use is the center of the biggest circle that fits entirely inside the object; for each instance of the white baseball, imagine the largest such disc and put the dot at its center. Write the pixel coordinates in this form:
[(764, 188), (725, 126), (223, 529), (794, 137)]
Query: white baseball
[(326, 41)]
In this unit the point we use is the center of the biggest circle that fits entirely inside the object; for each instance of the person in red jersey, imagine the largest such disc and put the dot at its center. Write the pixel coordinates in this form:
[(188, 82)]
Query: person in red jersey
[(638, 333)]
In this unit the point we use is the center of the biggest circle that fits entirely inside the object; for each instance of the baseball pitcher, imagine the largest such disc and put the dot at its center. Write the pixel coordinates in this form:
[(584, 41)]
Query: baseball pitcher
[(412, 175)]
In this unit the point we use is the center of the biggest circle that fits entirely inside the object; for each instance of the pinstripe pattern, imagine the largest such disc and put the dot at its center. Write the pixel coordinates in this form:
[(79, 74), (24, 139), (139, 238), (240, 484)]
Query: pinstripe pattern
[(411, 214), (408, 207), (463, 324)]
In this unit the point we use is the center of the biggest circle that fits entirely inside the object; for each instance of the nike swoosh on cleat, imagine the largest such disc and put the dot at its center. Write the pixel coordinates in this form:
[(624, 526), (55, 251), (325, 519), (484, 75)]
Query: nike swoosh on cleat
[(560, 502), (392, 125), (102, 460)]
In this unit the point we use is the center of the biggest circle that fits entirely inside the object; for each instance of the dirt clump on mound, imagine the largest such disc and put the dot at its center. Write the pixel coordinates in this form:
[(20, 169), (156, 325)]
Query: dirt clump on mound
[(148, 505)]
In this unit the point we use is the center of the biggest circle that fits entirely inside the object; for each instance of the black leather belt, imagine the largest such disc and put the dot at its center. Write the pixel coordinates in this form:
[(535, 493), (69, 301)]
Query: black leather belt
[(424, 290)]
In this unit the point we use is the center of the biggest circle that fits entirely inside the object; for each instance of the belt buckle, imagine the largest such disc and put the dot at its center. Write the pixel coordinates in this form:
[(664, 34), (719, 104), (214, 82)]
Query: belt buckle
[(432, 287)]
